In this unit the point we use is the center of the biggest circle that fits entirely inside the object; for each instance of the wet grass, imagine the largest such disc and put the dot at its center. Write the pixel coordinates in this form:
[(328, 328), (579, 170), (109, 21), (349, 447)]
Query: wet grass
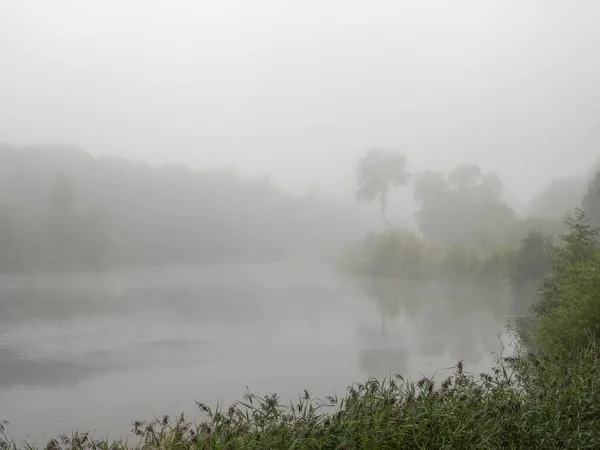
[(525, 402)]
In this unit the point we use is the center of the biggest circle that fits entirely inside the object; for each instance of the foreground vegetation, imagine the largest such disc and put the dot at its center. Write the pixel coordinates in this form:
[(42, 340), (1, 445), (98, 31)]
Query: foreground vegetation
[(531, 402), (544, 396)]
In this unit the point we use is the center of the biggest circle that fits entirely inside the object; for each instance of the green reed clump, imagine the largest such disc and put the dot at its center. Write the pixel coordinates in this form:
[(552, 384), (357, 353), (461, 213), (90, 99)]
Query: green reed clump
[(526, 402)]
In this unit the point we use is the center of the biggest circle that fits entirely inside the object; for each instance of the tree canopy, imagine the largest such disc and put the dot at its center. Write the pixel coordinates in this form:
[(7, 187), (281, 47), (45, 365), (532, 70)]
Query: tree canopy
[(377, 173), (461, 206)]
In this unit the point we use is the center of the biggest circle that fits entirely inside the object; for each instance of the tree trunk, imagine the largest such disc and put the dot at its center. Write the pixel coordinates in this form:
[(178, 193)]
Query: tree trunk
[(383, 204)]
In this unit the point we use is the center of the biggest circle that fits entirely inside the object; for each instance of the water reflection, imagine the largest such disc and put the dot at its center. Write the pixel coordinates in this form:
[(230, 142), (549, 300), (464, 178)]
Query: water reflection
[(434, 320), (153, 340)]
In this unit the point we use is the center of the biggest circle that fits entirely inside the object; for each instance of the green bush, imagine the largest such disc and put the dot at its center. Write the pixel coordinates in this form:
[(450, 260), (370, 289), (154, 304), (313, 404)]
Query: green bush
[(393, 253), (576, 316), (567, 315)]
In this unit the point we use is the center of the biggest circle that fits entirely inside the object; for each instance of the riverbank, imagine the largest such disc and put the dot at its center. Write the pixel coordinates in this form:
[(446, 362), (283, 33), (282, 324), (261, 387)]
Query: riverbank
[(525, 402)]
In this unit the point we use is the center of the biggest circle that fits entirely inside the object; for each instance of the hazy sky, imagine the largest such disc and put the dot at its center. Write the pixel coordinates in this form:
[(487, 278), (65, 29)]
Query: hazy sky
[(298, 89)]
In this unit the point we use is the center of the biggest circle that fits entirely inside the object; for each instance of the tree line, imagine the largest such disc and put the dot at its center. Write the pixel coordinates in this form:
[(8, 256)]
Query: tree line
[(464, 228), (63, 209)]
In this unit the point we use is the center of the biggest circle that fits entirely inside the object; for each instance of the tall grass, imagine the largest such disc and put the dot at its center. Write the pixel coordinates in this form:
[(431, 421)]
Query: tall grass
[(525, 402)]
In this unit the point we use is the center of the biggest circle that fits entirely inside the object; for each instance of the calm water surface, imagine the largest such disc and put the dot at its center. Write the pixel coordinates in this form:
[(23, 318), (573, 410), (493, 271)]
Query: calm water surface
[(97, 351)]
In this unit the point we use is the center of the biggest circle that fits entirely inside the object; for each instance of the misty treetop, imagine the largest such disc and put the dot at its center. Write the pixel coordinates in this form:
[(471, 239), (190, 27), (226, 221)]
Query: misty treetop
[(378, 172), (460, 206), (456, 207)]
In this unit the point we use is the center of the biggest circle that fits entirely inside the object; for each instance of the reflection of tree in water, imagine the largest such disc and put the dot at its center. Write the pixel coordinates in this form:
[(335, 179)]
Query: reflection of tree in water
[(393, 295), (462, 319), (385, 352), (474, 320)]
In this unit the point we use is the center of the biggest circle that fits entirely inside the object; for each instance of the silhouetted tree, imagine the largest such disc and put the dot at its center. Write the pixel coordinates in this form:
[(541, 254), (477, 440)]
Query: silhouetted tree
[(377, 172)]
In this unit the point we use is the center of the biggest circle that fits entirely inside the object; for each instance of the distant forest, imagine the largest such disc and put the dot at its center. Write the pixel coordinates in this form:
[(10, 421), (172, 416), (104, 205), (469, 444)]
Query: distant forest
[(63, 209)]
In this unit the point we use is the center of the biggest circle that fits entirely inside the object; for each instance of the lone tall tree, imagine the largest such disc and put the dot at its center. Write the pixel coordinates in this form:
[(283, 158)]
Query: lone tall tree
[(377, 172)]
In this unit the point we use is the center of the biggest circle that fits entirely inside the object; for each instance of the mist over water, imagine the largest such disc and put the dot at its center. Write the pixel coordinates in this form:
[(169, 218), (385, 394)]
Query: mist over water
[(96, 351), (203, 197)]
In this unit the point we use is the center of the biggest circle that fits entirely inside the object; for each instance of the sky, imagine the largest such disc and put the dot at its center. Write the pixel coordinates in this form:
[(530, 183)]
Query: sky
[(299, 90)]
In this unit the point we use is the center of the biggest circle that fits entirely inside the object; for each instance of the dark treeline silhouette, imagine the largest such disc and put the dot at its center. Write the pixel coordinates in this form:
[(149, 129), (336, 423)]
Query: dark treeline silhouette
[(63, 209)]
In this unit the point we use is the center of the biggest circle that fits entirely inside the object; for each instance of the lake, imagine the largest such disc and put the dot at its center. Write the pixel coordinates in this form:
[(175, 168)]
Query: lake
[(97, 351)]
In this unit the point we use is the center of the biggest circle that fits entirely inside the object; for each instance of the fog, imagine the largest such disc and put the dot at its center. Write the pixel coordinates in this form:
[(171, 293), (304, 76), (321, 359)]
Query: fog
[(96, 352), (298, 89), (199, 197)]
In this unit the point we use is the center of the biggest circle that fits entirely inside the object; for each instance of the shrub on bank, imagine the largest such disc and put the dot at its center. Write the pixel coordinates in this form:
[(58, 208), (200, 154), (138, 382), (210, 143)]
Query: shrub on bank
[(567, 314)]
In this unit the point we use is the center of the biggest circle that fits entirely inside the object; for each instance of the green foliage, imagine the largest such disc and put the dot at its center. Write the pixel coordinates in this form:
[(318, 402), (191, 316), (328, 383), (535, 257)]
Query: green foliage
[(459, 260), (575, 316), (399, 254), (405, 255), (567, 313), (580, 247), (377, 172), (581, 243), (393, 253), (530, 263)]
